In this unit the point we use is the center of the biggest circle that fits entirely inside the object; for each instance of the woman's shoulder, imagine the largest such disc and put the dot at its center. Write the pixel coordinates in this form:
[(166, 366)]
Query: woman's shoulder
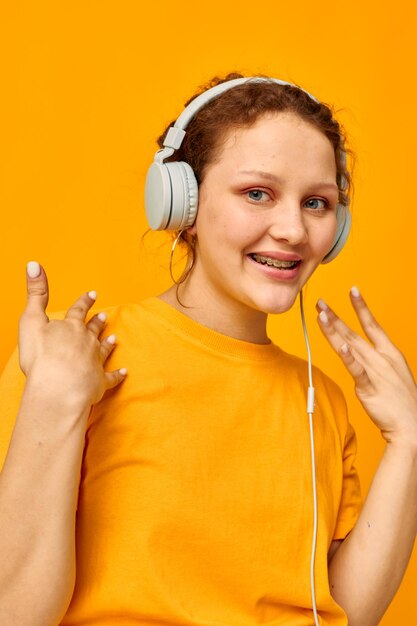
[(321, 380), (117, 314), (112, 310)]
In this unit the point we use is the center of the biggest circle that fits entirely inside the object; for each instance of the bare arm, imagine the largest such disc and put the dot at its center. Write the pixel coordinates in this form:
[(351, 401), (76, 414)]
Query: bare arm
[(367, 568), (63, 361), (38, 500)]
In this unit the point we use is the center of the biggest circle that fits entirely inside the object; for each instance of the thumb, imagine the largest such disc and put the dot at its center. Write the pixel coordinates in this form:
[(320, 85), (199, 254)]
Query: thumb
[(34, 315), (37, 289)]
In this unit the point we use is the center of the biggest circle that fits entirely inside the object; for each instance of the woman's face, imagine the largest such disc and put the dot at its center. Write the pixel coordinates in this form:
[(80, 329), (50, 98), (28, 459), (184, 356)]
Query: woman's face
[(266, 215)]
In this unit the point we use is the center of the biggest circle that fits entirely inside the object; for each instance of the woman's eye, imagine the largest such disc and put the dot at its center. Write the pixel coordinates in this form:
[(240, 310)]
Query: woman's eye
[(326, 204), (257, 194)]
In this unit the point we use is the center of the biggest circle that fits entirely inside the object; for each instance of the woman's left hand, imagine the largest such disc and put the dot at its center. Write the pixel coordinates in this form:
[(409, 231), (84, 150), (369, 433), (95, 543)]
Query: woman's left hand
[(384, 383)]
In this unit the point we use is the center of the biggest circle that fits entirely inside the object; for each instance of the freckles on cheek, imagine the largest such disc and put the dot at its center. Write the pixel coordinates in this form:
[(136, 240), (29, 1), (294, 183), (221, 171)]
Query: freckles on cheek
[(325, 244), (321, 241)]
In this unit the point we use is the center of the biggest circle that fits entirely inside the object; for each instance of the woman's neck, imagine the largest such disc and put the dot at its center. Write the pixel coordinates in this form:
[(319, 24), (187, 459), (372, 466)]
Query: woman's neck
[(237, 321)]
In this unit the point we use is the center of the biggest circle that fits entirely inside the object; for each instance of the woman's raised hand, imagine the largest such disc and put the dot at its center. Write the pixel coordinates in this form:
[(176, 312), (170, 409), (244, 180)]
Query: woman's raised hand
[(384, 383), (65, 357)]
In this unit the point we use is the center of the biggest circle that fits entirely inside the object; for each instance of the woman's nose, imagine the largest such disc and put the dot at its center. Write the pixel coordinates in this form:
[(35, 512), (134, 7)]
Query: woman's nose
[(288, 224)]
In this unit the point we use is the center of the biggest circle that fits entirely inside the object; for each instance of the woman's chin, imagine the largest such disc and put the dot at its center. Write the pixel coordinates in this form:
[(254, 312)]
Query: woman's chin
[(274, 306)]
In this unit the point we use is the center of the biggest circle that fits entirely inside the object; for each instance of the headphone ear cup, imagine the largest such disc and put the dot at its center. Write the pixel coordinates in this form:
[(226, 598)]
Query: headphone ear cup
[(343, 223), (171, 195), (184, 191), (158, 196), (192, 196)]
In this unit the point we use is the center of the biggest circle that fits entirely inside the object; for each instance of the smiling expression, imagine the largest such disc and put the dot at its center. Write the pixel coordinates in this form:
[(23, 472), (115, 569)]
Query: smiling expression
[(266, 216)]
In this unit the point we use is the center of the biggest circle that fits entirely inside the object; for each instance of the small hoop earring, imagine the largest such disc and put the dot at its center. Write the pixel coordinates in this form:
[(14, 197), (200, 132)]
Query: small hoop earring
[(186, 273)]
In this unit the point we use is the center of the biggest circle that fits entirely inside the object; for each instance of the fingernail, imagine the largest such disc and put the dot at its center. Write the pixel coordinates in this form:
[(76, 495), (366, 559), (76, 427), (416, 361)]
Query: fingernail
[(92, 295), (344, 348), (323, 317), (123, 371), (355, 292), (102, 316), (111, 339), (322, 304), (33, 269)]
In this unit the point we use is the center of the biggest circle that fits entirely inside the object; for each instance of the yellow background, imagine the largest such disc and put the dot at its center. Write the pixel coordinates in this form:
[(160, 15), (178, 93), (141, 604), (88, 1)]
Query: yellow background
[(87, 88)]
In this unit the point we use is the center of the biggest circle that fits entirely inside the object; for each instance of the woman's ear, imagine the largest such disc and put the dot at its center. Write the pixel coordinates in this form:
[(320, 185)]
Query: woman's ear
[(192, 230)]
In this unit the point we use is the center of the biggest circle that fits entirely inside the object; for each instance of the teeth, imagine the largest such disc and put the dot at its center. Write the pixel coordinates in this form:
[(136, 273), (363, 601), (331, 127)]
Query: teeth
[(265, 260)]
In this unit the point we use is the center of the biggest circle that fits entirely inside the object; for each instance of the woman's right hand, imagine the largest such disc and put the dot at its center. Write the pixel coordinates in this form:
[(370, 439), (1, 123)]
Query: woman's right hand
[(66, 356)]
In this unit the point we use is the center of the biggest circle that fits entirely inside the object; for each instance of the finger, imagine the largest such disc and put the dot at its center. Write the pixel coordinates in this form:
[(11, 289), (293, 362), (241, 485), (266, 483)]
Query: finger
[(107, 346), (37, 293), (97, 323), (352, 360), (115, 378), (355, 368), (372, 329), (337, 333), (80, 308)]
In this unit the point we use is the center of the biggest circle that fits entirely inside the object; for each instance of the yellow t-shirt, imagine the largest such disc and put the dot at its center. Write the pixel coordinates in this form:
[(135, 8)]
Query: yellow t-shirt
[(195, 503)]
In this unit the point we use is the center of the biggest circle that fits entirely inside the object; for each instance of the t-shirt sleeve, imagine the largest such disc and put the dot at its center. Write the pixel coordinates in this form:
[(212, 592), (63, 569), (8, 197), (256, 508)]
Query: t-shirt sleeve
[(351, 499), (12, 383)]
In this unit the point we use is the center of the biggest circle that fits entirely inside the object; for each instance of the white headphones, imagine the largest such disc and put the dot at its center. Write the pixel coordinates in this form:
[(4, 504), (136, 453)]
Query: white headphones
[(171, 189)]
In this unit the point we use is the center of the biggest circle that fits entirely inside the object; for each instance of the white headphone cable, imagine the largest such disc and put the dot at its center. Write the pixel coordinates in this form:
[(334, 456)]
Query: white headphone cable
[(310, 411)]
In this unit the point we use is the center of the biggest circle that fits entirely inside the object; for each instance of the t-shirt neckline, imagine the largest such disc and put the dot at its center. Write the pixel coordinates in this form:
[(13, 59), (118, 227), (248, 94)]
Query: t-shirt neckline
[(189, 328)]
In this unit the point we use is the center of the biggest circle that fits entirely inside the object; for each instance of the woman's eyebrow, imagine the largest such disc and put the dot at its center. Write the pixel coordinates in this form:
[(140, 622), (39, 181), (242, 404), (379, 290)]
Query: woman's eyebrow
[(267, 175), (276, 179)]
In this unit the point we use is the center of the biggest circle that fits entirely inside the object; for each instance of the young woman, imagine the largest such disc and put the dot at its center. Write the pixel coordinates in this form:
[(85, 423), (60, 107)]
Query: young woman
[(184, 495)]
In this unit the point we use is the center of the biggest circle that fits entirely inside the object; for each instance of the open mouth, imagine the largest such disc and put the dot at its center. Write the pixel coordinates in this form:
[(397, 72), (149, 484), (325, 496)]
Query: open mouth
[(282, 265)]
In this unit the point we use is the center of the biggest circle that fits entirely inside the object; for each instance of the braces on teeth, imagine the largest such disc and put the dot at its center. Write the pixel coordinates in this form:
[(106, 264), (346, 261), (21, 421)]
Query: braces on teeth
[(274, 262)]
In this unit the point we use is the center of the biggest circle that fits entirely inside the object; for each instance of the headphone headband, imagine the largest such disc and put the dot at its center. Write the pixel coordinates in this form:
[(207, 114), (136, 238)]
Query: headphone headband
[(176, 133)]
